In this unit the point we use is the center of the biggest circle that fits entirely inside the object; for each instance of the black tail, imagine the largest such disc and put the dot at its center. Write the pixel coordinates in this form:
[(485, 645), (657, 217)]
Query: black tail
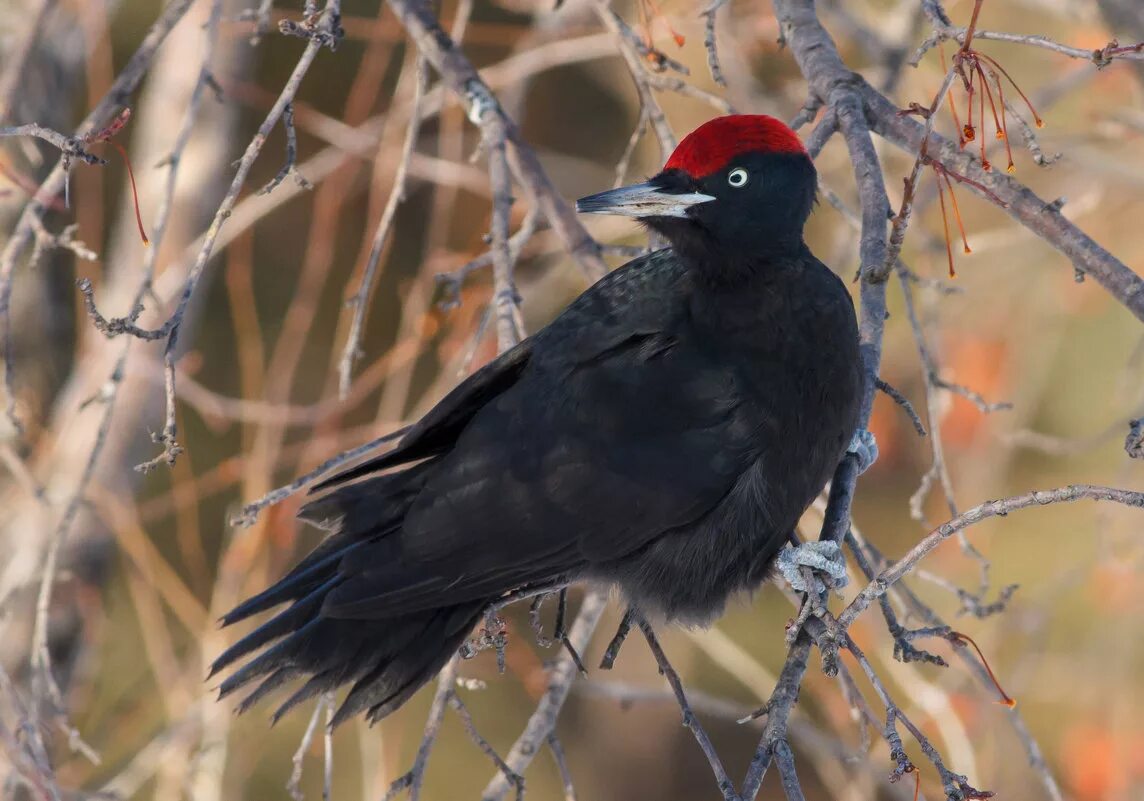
[(387, 660)]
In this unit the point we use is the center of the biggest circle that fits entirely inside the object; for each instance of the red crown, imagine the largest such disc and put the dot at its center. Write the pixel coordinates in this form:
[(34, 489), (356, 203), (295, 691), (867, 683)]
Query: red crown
[(712, 145)]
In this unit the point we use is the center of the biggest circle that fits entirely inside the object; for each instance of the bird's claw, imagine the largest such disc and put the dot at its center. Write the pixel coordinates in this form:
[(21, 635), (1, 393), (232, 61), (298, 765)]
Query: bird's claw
[(480, 102), (865, 447), (825, 560)]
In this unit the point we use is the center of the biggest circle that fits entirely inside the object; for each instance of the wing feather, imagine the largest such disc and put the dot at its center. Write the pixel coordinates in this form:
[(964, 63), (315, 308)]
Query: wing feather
[(592, 439)]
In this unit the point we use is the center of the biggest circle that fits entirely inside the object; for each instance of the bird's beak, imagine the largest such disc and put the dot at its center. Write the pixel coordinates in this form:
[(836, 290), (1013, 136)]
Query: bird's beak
[(641, 200)]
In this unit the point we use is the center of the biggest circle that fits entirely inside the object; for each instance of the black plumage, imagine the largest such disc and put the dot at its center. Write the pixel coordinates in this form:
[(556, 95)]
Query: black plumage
[(663, 434)]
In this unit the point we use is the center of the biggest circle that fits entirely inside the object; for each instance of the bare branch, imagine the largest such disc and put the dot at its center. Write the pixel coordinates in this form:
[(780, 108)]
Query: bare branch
[(32, 217), (289, 168), (969, 517), (249, 513), (710, 17), (452, 282), (415, 776), (562, 765), (70, 146), (617, 642), (509, 775), (506, 301), (778, 710), (726, 786), (463, 79), (359, 301), (294, 786), (1101, 57), (634, 53), (543, 720), (904, 402)]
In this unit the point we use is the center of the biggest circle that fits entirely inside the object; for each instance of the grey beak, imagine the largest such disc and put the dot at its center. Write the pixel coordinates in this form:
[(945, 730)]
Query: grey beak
[(640, 200)]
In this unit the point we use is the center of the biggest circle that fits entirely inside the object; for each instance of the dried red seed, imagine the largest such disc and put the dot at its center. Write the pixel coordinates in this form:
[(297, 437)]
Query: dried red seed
[(957, 213), (1036, 118), (958, 637), (134, 192), (945, 223)]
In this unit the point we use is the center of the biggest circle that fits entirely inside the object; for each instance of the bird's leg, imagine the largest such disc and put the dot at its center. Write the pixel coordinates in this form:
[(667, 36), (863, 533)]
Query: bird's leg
[(865, 447), (819, 566), (815, 568)]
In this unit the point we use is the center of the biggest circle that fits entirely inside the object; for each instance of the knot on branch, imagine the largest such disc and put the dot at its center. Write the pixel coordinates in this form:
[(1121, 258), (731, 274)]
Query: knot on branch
[(74, 149), (170, 454), (905, 651), (1134, 442), (323, 28), (975, 604), (1104, 56), (112, 327)]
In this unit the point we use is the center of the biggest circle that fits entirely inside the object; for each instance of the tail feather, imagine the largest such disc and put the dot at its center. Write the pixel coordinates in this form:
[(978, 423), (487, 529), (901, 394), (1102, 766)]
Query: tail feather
[(299, 583), (316, 685), (392, 683), (386, 657), (277, 627), (268, 685)]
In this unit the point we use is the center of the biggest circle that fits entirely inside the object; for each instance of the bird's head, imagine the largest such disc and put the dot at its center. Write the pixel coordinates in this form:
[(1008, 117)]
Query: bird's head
[(739, 187)]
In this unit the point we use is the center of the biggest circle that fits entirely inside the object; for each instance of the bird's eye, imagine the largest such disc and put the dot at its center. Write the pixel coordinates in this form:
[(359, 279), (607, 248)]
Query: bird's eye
[(737, 177)]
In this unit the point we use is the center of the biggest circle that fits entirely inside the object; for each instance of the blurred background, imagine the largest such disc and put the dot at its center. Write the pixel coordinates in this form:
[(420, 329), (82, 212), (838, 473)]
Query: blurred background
[(150, 561)]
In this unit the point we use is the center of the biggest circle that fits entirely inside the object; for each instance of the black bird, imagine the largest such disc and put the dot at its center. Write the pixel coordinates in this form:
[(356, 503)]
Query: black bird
[(663, 434)]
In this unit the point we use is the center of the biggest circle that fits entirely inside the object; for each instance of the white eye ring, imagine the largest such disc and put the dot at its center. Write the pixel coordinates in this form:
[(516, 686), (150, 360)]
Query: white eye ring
[(737, 177)]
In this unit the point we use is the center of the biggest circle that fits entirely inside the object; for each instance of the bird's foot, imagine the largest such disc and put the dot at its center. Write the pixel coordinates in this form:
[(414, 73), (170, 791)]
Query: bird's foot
[(813, 567), (865, 447)]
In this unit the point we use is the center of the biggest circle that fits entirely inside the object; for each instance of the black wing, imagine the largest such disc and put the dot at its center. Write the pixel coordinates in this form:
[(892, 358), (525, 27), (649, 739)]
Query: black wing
[(438, 429), (612, 431)]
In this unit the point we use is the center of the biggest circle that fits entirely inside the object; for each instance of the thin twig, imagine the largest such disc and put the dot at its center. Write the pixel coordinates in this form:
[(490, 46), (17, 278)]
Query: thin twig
[(415, 776), (249, 513), (955, 785), (557, 752), (904, 402), (290, 167), (70, 146), (543, 719), (726, 786), (452, 282), (1000, 508), (24, 233), (634, 53), (359, 301), (294, 786), (1101, 57), (510, 776), (506, 301), (463, 79), (617, 642), (710, 17)]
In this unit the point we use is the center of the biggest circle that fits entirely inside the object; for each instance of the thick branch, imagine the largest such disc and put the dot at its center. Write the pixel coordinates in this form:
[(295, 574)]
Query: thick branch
[(820, 62)]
